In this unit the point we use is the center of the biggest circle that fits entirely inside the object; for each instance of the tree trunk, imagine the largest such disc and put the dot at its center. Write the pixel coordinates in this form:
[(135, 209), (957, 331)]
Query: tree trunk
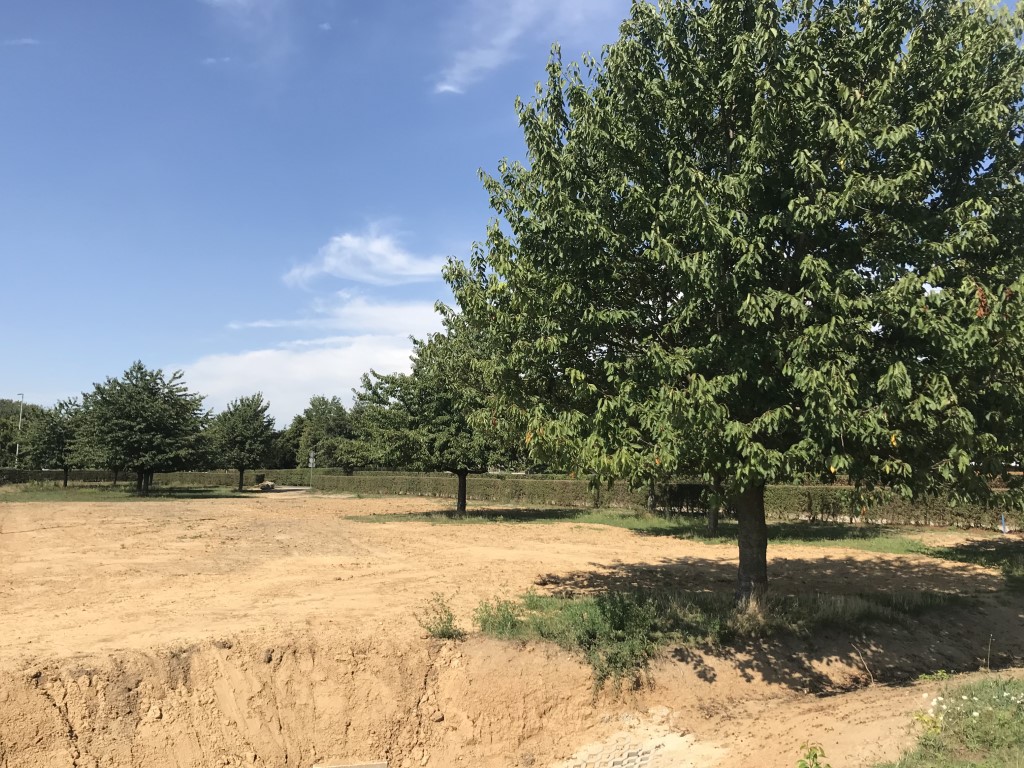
[(752, 578), (139, 476), (146, 477), (241, 477), (67, 472), (460, 505), (116, 473), (714, 513)]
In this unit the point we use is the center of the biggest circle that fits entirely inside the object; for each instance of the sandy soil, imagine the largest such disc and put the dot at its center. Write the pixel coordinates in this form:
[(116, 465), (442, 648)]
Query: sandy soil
[(272, 630)]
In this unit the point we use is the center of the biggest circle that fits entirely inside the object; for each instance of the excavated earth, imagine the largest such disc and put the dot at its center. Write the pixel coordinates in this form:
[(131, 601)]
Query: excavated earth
[(274, 630)]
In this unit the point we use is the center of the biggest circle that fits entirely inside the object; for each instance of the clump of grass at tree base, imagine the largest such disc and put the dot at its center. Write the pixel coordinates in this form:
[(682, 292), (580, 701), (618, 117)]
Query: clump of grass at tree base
[(981, 724), (438, 619), (619, 633)]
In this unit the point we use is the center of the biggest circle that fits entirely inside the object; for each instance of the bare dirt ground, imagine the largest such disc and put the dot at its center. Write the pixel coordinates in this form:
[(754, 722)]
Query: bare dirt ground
[(272, 630)]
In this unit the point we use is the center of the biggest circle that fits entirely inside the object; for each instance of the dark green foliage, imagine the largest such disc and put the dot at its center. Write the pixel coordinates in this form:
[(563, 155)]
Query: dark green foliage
[(144, 422), (9, 437), (430, 419), (52, 437), (242, 434), (765, 242), (328, 430)]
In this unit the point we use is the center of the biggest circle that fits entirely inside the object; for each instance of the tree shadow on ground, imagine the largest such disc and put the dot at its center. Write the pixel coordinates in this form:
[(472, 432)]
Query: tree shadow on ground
[(184, 493), (954, 636), (1006, 553), (489, 515)]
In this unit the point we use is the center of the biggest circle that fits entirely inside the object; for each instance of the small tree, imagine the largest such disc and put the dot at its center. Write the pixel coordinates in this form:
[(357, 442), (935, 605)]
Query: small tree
[(143, 422), (51, 437), (242, 434)]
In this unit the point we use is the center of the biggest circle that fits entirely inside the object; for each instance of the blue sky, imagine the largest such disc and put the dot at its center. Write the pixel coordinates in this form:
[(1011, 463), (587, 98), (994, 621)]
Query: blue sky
[(258, 192)]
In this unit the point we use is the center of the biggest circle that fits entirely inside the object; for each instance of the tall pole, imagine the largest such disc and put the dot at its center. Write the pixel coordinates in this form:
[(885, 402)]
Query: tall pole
[(17, 445)]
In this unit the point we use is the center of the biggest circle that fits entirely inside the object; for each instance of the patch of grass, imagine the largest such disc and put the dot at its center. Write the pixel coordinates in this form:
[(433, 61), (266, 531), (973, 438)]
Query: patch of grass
[(438, 619), (50, 493), (618, 633), (981, 724)]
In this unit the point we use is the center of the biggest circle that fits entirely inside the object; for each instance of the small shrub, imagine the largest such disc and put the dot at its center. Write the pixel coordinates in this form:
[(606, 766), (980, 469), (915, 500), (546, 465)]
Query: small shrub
[(813, 754), (438, 619)]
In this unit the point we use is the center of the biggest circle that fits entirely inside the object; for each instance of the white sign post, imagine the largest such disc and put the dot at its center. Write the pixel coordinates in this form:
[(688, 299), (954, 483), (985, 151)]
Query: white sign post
[(312, 464)]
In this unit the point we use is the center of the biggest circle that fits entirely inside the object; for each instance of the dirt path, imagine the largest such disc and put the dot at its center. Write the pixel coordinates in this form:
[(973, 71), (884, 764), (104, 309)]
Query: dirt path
[(274, 630)]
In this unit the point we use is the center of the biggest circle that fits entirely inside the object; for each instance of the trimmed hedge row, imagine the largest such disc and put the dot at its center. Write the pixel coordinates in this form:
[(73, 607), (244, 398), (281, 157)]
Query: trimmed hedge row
[(782, 502)]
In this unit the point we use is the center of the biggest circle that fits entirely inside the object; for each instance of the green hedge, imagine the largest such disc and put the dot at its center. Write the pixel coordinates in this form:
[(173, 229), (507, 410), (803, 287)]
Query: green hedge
[(782, 502), (14, 476)]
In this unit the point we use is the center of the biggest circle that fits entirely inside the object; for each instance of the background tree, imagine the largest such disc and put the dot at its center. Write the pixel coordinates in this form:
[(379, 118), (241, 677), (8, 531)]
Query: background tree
[(284, 450), (434, 418), (328, 430), (759, 242), (144, 422), (9, 410), (51, 437), (242, 434)]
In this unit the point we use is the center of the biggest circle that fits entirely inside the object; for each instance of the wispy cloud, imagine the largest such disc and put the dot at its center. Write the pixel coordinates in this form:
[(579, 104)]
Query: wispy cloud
[(264, 24), (21, 41), (288, 375), (212, 61), (325, 26), (499, 30), (357, 314), (373, 257)]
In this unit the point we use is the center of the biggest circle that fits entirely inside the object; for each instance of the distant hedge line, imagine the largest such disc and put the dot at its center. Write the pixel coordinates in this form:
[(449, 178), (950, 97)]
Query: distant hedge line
[(782, 502)]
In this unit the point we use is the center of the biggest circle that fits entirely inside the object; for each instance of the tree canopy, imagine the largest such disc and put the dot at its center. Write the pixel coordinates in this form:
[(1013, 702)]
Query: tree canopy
[(759, 242), (52, 437), (430, 419), (242, 434), (144, 422)]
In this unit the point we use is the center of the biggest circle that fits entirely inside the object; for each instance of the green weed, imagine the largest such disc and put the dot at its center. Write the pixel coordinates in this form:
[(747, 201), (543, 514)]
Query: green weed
[(438, 619), (981, 724)]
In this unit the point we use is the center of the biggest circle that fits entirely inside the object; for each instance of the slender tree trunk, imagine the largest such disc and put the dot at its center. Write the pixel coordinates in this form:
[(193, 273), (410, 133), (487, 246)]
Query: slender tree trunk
[(241, 477), (116, 473), (714, 513), (146, 477), (460, 505), (66, 473), (752, 578), (139, 477)]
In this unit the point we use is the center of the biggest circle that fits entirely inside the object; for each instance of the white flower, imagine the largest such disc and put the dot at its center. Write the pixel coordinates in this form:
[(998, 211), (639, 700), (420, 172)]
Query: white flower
[(975, 714)]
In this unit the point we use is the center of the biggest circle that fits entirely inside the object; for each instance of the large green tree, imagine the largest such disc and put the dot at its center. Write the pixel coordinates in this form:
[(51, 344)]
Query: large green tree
[(757, 242), (51, 437), (11, 412), (242, 434), (144, 422)]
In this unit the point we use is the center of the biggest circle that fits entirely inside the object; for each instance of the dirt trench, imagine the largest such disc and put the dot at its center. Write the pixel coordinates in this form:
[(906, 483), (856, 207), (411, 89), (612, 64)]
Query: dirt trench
[(242, 703)]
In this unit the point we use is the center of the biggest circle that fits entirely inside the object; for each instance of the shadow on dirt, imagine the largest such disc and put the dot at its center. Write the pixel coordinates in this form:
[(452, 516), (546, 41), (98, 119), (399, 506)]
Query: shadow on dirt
[(955, 636)]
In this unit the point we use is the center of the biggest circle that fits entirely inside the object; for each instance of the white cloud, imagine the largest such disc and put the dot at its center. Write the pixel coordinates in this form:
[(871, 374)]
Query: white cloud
[(374, 257), (21, 41), (214, 60), (499, 29), (288, 376), (326, 26), (264, 24), (358, 315)]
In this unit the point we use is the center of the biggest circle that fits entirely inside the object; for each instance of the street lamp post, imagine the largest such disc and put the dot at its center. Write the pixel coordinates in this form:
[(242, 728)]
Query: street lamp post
[(17, 445)]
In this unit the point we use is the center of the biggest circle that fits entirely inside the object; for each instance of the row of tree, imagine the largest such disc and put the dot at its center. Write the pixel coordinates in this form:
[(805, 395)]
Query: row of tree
[(144, 422)]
